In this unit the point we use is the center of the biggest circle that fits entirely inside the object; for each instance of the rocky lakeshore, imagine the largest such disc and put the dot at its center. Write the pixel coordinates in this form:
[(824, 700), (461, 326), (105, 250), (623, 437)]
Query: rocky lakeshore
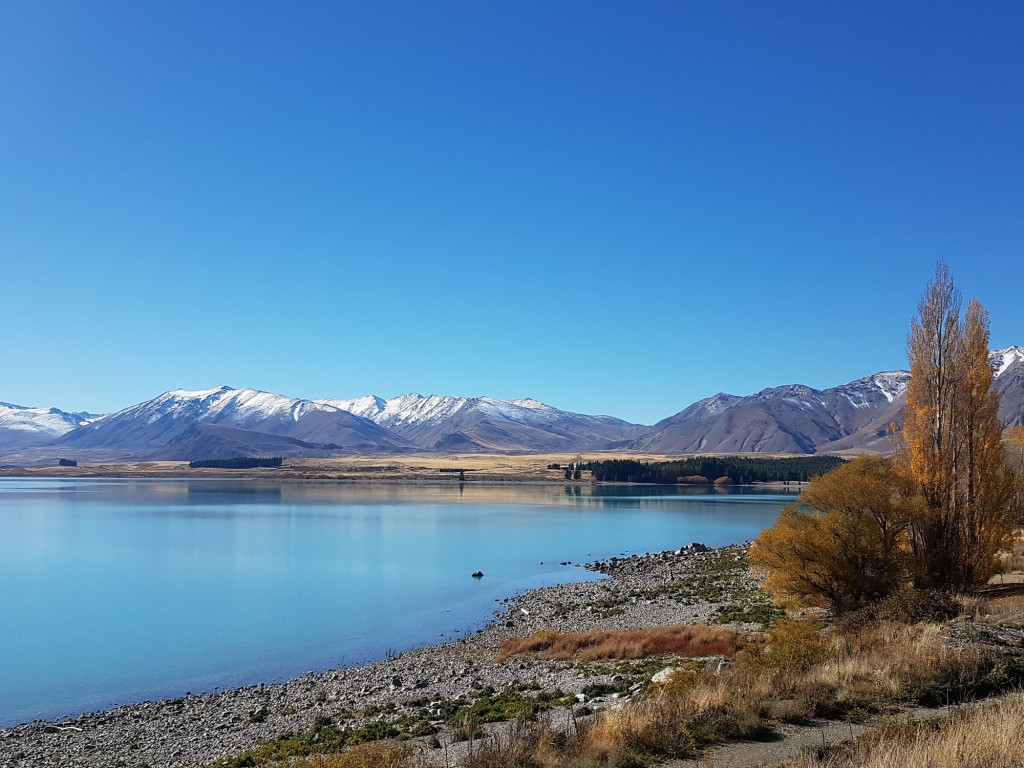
[(409, 691)]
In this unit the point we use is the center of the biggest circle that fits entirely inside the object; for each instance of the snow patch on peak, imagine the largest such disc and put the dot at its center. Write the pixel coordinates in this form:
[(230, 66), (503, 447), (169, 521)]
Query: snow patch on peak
[(856, 402), (723, 401), (803, 405), (367, 407), (513, 410), (892, 384), (1001, 359), (195, 394), (533, 405), (413, 408), (220, 404), (42, 421)]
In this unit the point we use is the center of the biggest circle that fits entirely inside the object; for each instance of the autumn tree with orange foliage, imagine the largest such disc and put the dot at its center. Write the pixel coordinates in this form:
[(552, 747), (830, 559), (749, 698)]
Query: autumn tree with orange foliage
[(954, 446), (842, 545), (935, 514)]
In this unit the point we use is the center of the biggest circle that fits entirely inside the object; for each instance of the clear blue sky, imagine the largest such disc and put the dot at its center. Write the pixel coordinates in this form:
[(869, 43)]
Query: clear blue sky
[(611, 207)]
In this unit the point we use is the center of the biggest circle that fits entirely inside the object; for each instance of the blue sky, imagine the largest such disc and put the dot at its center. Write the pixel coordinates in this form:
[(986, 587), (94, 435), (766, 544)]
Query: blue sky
[(611, 207)]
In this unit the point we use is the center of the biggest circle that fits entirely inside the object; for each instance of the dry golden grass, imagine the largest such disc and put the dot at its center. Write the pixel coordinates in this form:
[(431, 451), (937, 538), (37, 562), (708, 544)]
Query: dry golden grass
[(1001, 610), (793, 672), (654, 726), (987, 736), (1012, 562), (599, 645), (798, 672), (371, 755)]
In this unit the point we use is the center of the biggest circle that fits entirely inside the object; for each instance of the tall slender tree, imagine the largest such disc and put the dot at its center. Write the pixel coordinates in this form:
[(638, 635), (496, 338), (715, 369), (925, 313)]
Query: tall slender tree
[(954, 442), (1015, 461)]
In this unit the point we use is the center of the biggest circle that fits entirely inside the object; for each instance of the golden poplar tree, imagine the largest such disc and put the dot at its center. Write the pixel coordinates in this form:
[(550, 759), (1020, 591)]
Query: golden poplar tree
[(1015, 461), (954, 443)]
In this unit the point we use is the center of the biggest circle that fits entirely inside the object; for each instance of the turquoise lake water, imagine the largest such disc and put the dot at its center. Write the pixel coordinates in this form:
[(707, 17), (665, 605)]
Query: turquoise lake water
[(116, 591)]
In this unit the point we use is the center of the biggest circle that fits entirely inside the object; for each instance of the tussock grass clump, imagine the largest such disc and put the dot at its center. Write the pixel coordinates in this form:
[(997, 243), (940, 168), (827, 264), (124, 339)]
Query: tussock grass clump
[(654, 726), (373, 755), (628, 740), (601, 645), (520, 747), (1004, 610), (791, 645), (987, 736), (1012, 561)]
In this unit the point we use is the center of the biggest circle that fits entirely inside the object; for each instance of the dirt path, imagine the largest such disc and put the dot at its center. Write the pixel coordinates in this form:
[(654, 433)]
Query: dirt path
[(789, 741)]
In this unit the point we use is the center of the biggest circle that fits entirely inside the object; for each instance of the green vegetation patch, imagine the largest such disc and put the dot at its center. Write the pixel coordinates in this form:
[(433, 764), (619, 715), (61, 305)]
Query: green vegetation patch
[(721, 578), (324, 737), (513, 703), (701, 468), (463, 716), (1004, 675)]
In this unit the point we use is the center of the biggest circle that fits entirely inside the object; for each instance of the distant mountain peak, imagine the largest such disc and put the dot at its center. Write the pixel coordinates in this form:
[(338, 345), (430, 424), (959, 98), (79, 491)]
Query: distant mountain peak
[(24, 426), (891, 384), (1002, 359)]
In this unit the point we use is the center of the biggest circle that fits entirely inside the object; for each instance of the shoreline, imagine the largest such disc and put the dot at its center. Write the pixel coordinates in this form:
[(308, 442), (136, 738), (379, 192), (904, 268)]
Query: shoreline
[(793, 485), (196, 730), (476, 469)]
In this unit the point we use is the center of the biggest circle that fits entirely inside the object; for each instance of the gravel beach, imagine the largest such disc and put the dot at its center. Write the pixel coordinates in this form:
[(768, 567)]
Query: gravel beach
[(682, 586)]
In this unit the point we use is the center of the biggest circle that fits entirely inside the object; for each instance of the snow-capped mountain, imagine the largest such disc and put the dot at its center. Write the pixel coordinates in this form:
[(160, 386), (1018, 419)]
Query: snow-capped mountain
[(1004, 359), (21, 426), (788, 419), (800, 419), (169, 425), (485, 424), (225, 422), (1008, 365)]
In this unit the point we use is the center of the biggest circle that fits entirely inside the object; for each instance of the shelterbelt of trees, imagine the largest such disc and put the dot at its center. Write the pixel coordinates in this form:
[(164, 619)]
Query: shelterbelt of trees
[(239, 462), (709, 469), (934, 515)]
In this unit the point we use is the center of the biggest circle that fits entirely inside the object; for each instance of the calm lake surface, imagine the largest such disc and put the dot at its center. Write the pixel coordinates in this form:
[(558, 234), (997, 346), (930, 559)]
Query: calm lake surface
[(116, 591)]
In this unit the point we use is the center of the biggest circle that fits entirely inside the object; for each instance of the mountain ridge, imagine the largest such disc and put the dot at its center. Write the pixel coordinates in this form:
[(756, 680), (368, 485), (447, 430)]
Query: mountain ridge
[(22, 426), (223, 421)]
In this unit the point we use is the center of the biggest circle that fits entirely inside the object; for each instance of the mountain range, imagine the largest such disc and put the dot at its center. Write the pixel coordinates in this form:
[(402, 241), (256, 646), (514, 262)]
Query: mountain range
[(225, 422)]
